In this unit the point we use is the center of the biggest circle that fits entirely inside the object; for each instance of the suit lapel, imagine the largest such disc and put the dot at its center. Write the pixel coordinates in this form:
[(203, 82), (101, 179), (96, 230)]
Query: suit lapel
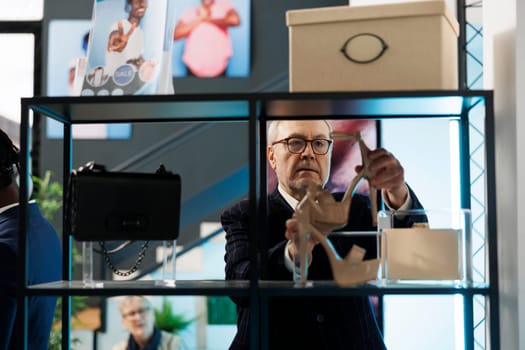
[(278, 212)]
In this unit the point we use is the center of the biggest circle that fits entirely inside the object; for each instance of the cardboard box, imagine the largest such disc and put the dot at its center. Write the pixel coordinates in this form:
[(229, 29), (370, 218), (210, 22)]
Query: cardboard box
[(400, 46), (421, 254), (426, 245)]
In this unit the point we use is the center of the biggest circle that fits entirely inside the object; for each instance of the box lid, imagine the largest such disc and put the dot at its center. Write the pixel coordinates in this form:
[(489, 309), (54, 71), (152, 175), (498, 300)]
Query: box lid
[(381, 11)]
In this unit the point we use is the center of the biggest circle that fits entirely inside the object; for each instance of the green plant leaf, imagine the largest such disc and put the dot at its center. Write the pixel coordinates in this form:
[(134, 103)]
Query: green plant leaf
[(48, 195), (168, 321)]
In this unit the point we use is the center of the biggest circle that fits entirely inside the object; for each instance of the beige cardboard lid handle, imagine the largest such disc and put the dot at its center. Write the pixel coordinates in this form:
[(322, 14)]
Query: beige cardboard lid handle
[(364, 48)]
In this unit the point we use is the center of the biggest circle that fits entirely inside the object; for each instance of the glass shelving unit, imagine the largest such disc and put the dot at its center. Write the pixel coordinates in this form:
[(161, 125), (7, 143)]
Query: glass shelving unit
[(472, 109)]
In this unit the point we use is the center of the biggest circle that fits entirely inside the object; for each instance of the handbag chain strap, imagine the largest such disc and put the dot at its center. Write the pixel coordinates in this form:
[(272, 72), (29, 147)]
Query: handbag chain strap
[(113, 268)]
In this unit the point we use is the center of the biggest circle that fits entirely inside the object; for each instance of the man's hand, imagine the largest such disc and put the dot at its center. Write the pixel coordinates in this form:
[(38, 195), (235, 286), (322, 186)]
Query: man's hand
[(292, 234), (387, 173)]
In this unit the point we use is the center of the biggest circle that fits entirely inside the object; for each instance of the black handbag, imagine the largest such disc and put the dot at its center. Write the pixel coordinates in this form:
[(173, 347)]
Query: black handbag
[(103, 205)]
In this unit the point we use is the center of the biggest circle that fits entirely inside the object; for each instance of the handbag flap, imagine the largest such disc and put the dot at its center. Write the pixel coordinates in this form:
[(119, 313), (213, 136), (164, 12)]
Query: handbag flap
[(125, 206)]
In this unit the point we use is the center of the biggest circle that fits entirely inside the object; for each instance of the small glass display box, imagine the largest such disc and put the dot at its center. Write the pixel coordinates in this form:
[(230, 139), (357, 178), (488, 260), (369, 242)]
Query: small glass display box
[(425, 246)]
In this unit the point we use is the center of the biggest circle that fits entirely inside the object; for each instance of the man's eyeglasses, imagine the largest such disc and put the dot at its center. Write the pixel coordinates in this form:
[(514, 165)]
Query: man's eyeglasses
[(297, 145), (141, 312)]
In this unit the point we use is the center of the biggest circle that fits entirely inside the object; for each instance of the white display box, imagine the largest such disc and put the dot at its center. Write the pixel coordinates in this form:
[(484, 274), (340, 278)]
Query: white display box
[(401, 46), (436, 248)]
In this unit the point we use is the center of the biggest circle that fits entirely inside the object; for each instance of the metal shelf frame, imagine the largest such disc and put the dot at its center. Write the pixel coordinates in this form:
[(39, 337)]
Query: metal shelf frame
[(256, 109)]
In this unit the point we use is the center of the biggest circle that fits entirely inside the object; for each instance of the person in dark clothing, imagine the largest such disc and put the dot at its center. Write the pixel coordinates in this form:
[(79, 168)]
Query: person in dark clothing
[(43, 252), (300, 154)]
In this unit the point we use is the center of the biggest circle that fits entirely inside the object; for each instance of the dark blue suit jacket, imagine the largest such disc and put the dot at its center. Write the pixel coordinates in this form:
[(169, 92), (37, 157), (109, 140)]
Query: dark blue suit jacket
[(45, 258), (295, 322)]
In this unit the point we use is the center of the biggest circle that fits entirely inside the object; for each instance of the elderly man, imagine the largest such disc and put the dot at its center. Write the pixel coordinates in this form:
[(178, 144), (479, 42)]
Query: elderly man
[(138, 319), (43, 254), (300, 154)]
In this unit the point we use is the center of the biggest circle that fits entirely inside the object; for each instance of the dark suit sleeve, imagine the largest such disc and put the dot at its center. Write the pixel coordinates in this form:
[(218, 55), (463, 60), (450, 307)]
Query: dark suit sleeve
[(7, 293), (416, 204), (235, 222), (408, 221)]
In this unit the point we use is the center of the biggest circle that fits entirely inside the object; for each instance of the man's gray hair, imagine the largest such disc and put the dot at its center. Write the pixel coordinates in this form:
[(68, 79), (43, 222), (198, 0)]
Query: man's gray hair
[(274, 124), (128, 299)]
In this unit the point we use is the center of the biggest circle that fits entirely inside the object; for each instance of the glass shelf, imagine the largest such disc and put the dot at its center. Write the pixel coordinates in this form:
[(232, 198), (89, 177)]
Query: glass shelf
[(151, 287), (241, 288), (232, 107), (83, 110), (288, 288)]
